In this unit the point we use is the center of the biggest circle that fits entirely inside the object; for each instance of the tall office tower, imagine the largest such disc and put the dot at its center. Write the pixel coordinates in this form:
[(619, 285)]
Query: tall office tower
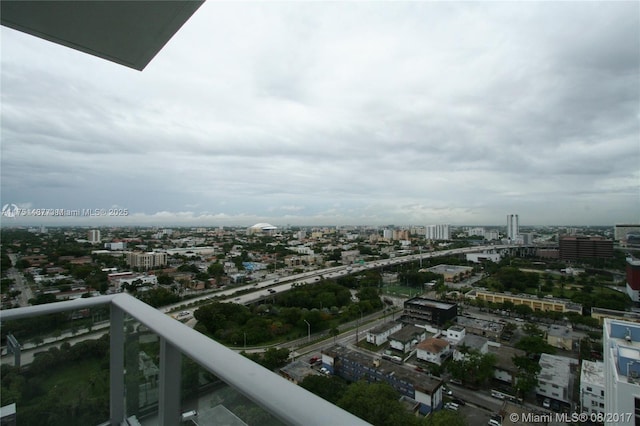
[(93, 236), (621, 340), (437, 232), (512, 227)]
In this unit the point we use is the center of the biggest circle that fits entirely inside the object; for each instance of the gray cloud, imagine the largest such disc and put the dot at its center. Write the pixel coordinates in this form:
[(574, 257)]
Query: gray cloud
[(339, 113)]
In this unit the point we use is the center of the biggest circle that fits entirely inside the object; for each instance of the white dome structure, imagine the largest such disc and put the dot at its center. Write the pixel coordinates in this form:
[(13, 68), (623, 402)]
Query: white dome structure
[(264, 226), (261, 228)]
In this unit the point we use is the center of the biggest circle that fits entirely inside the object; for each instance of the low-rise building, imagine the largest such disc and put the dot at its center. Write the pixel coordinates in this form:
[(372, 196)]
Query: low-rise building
[(592, 387), (297, 371), (601, 313), (534, 302), (505, 369), (406, 339), (420, 310), (354, 366), (560, 337), (555, 379), (470, 343), (452, 273), (433, 350), (454, 334), (481, 327), (380, 334)]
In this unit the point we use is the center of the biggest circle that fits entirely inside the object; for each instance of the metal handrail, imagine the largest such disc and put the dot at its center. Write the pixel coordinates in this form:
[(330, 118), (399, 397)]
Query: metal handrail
[(285, 400)]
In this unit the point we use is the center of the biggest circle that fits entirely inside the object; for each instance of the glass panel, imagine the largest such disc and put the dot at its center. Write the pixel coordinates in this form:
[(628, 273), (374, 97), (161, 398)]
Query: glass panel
[(142, 367), (64, 374), (207, 400)]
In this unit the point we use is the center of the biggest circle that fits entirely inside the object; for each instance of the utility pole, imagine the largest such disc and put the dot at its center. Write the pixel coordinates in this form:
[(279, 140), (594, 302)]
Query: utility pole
[(308, 331)]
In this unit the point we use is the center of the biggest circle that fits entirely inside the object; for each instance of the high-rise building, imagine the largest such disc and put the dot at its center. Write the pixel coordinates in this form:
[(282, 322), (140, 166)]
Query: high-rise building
[(621, 343), (573, 248), (633, 279), (437, 232), (93, 236), (513, 230)]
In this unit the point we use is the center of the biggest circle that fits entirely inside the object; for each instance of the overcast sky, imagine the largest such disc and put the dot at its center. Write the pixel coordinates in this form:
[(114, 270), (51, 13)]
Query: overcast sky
[(338, 113)]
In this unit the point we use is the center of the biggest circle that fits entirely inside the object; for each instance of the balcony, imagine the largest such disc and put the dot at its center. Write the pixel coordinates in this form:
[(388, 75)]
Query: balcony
[(146, 359)]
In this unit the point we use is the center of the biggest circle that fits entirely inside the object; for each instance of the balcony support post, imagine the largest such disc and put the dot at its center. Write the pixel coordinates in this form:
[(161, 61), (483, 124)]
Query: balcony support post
[(170, 378), (116, 366)]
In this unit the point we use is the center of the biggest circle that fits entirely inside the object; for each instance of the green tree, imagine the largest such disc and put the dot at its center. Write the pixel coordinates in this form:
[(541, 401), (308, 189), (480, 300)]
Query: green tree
[(445, 418), (376, 403), (330, 388), (527, 374)]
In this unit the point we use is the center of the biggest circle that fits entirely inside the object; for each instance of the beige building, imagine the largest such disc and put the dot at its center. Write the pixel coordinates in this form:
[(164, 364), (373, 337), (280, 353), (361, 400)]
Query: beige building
[(452, 273), (600, 314), (535, 303), (146, 260), (560, 337)]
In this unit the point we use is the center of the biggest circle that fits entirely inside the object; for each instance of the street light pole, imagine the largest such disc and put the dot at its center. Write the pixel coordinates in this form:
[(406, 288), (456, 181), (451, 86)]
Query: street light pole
[(308, 331)]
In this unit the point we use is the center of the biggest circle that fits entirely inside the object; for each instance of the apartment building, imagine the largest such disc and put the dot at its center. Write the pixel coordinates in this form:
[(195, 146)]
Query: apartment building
[(579, 247), (555, 379), (438, 232), (146, 260), (592, 387), (354, 366)]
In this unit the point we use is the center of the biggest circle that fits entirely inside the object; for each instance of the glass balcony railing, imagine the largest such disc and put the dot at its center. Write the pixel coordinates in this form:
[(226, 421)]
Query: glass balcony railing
[(161, 372)]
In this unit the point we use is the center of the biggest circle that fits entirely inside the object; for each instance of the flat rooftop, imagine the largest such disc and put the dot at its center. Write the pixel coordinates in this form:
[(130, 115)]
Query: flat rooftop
[(430, 303), (407, 333), (555, 369), (468, 322), (387, 368), (592, 373)]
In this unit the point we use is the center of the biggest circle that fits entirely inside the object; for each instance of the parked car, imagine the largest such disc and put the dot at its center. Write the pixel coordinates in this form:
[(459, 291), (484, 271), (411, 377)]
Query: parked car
[(451, 406)]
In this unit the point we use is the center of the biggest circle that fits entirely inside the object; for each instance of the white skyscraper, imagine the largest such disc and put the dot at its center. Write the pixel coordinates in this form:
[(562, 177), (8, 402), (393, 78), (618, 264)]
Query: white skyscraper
[(513, 230), (93, 236), (437, 232), (621, 343)]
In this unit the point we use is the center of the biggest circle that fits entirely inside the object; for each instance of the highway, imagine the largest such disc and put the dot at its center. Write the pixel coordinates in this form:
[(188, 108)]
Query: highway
[(256, 292), (260, 290)]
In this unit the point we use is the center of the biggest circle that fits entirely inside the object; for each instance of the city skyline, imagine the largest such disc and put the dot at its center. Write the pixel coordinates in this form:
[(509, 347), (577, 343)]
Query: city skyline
[(336, 114)]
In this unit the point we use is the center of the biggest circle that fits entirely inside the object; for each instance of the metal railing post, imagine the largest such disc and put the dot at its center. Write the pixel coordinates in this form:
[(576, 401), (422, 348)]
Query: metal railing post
[(116, 366), (170, 378)]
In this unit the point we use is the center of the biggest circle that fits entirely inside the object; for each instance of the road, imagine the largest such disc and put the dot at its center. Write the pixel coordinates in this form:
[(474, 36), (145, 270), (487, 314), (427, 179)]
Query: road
[(261, 290), (22, 286), (273, 286)]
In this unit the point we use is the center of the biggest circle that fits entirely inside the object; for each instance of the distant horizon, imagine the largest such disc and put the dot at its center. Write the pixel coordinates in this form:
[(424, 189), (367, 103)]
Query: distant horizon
[(5, 224)]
